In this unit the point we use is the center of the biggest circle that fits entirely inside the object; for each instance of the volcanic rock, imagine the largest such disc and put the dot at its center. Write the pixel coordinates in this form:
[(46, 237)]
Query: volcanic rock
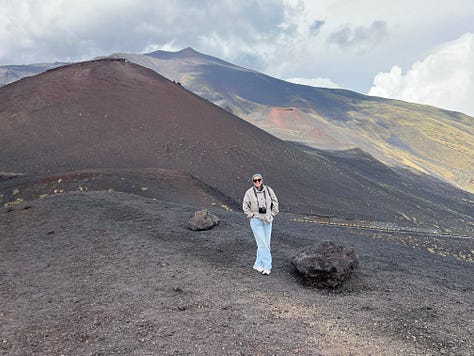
[(326, 265), (203, 220)]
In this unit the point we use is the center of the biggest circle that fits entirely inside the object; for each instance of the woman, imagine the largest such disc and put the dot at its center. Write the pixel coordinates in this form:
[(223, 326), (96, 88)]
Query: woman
[(261, 205)]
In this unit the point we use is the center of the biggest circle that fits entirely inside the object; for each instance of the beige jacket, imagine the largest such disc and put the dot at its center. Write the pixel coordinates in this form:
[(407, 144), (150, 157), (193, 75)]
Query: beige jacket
[(253, 199)]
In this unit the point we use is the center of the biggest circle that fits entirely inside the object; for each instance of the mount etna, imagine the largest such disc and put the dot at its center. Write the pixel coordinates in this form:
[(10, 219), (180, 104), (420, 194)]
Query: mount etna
[(102, 163), (401, 134), (431, 140)]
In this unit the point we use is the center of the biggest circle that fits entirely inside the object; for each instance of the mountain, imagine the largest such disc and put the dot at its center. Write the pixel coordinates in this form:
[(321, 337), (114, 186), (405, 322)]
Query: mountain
[(110, 115), (97, 271), (428, 139), (425, 138), (12, 73)]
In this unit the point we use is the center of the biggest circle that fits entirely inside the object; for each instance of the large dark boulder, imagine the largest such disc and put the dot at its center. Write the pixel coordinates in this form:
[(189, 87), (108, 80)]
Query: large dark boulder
[(203, 220), (325, 265)]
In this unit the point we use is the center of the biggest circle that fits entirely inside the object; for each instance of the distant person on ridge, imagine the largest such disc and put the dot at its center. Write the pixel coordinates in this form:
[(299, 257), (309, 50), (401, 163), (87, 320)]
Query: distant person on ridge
[(261, 205)]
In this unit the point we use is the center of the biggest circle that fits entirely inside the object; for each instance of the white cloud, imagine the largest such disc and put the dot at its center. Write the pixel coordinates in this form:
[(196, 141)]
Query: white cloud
[(445, 78), (65, 30), (314, 82), (362, 38)]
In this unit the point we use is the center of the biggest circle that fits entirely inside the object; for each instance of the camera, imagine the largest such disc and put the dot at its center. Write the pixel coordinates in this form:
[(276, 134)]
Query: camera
[(262, 210)]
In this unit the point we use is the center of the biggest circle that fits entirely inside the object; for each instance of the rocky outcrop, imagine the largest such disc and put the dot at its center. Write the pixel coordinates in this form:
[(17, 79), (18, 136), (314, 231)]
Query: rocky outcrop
[(203, 220), (326, 265)]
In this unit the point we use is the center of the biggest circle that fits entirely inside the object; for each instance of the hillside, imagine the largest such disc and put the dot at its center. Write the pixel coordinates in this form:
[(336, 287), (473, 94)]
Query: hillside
[(428, 139), (110, 115)]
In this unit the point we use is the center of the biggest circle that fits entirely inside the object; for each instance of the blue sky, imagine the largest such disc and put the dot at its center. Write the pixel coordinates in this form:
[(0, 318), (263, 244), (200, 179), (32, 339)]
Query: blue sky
[(419, 51)]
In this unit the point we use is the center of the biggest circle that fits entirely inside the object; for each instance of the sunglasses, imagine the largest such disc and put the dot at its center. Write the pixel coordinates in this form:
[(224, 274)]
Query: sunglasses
[(257, 180)]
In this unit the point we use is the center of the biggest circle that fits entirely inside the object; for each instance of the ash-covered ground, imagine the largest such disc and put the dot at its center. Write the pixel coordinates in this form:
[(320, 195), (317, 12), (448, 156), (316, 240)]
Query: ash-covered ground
[(95, 273)]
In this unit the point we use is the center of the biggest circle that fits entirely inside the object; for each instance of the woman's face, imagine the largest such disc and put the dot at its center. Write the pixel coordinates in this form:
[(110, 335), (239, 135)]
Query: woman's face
[(257, 181)]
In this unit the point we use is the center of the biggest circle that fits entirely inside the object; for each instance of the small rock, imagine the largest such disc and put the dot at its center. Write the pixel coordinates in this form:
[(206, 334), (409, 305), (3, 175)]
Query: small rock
[(203, 220), (8, 175), (326, 265)]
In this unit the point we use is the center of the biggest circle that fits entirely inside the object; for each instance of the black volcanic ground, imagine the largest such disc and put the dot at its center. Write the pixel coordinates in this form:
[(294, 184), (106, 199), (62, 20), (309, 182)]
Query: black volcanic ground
[(114, 115)]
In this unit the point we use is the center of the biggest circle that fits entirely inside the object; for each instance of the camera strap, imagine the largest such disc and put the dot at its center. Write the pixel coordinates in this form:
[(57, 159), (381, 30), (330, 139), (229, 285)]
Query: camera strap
[(264, 196)]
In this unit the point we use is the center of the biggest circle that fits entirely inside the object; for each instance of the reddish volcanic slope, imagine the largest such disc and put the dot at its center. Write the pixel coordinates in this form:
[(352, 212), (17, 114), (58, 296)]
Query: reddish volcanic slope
[(294, 123), (111, 114)]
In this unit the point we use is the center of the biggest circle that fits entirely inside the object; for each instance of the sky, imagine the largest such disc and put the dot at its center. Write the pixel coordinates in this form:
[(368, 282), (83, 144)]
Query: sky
[(415, 50)]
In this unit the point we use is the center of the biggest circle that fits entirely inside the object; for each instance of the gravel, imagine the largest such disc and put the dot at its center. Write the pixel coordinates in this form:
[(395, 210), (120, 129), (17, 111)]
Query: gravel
[(98, 273)]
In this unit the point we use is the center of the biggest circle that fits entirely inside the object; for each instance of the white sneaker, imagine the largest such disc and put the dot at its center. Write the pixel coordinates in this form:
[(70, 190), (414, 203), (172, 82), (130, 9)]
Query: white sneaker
[(259, 269), (266, 272)]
